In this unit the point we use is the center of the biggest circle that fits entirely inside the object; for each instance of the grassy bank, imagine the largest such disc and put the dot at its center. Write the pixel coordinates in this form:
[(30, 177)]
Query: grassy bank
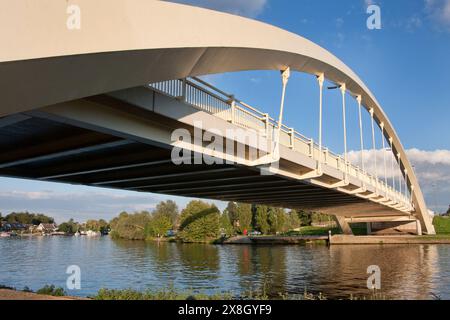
[(51, 292), (442, 225)]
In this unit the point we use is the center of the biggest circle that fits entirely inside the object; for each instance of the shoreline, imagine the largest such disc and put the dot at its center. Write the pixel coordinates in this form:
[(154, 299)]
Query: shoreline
[(337, 239), (10, 294)]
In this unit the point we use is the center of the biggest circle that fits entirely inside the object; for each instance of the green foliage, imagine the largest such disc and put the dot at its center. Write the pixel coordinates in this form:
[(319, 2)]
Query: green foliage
[(231, 211), (261, 219), (240, 215), (164, 294), (244, 217), (292, 221), (441, 224), (305, 218), (168, 209), (225, 224), (130, 226), (97, 225), (52, 291), (28, 218), (199, 222), (359, 229), (313, 231), (158, 225), (69, 227), (275, 218), (269, 220), (319, 217)]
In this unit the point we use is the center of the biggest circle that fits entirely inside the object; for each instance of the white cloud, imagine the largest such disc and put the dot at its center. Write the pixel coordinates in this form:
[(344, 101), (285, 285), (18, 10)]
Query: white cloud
[(439, 12), (248, 8), (431, 167)]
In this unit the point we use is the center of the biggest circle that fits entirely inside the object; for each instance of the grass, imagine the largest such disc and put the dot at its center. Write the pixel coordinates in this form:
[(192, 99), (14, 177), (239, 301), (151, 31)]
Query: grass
[(312, 231), (165, 294)]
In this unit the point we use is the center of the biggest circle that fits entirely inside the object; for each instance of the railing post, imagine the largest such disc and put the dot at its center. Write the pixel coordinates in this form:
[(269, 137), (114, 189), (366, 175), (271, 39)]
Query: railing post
[(291, 138), (183, 90), (233, 109), (267, 123)]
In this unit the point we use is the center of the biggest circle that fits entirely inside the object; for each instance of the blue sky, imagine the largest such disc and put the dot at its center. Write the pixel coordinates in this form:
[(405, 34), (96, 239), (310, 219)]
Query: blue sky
[(406, 65)]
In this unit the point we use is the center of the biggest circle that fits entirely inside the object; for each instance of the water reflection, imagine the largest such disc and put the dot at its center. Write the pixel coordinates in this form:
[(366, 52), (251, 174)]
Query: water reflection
[(408, 272)]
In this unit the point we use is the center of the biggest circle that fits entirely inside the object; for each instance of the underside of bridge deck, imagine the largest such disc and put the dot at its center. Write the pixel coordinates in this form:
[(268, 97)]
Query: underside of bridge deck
[(43, 148)]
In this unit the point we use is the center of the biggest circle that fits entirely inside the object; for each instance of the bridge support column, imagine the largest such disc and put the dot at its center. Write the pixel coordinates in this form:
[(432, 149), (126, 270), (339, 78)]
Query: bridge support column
[(418, 227), (343, 225)]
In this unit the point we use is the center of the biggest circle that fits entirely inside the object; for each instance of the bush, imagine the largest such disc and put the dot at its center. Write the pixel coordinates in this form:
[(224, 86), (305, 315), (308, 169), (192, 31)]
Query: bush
[(130, 226), (52, 291), (164, 294), (158, 226)]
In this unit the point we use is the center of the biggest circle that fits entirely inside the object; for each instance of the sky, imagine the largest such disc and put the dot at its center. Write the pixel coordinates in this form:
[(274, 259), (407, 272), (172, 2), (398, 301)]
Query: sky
[(405, 64)]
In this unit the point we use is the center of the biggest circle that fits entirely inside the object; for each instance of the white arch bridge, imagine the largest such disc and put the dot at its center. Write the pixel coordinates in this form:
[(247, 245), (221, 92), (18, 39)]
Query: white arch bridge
[(98, 105)]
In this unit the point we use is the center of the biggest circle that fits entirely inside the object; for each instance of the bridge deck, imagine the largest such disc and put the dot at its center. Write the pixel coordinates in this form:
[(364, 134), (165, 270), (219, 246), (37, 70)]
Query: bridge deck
[(43, 146)]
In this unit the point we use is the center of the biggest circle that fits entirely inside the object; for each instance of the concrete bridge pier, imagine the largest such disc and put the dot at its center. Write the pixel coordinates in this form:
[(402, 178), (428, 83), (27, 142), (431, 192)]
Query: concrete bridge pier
[(343, 225)]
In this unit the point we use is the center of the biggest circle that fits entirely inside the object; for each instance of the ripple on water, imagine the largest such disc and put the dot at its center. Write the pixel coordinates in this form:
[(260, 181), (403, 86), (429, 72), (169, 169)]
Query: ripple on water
[(408, 272)]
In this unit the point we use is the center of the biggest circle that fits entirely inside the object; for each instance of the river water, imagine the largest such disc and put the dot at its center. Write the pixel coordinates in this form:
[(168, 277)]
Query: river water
[(407, 272)]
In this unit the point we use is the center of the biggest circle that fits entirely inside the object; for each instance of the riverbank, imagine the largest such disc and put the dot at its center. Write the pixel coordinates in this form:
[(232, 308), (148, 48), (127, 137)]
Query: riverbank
[(171, 294), (9, 294)]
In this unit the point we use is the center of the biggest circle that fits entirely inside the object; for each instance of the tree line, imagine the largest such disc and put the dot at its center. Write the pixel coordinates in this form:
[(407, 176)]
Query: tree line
[(203, 222), (26, 218)]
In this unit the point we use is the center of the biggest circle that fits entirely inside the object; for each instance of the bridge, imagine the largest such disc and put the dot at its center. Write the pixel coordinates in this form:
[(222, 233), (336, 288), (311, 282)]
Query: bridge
[(118, 103)]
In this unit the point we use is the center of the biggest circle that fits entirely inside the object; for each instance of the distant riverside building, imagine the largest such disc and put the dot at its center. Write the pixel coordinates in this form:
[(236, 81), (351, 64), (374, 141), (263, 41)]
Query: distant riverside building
[(47, 227)]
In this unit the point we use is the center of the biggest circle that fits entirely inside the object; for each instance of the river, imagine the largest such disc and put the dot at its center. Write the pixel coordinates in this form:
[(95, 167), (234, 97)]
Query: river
[(407, 271)]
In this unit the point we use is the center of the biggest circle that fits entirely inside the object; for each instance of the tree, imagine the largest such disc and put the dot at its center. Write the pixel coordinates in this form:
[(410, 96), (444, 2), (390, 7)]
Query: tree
[(97, 225), (276, 219), (305, 218), (261, 219), (168, 209), (158, 226), (244, 217), (225, 224), (28, 218), (231, 211), (292, 220), (199, 222), (130, 226), (69, 227), (448, 211)]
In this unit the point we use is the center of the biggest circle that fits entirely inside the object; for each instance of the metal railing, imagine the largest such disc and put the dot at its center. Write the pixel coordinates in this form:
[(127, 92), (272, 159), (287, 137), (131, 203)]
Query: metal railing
[(205, 97)]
